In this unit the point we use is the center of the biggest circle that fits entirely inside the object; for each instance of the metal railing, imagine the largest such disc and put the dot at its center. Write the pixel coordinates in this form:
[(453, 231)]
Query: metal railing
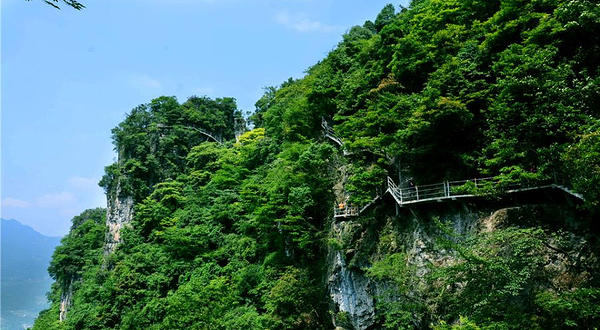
[(344, 210), (447, 189), (329, 132)]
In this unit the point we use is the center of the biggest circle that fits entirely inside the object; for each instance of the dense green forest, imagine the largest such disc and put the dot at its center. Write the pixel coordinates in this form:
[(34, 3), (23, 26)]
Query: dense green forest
[(232, 216)]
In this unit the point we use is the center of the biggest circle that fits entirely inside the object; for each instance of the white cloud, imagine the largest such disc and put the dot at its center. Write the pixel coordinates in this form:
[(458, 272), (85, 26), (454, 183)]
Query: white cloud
[(84, 184), (58, 199), (301, 23), (145, 81), (13, 202)]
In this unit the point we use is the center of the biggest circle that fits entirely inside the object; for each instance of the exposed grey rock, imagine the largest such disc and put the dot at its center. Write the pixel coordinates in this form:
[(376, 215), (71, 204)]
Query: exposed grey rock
[(119, 212), (66, 299), (350, 290)]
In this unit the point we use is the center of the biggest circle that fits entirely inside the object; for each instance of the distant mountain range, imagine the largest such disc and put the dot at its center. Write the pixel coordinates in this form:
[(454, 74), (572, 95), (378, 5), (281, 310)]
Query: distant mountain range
[(25, 259)]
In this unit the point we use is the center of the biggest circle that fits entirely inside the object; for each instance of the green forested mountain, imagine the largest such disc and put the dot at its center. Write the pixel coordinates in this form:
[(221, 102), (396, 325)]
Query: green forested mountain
[(236, 231)]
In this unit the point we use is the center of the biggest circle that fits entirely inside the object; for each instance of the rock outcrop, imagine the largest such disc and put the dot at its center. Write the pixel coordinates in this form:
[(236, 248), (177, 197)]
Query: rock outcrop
[(119, 212), (355, 244), (350, 290), (66, 299)]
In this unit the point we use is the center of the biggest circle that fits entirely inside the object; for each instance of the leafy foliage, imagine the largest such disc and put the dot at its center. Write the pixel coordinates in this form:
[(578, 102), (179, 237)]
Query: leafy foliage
[(230, 235), (493, 279), (80, 248), (71, 3), (583, 165), (397, 311)]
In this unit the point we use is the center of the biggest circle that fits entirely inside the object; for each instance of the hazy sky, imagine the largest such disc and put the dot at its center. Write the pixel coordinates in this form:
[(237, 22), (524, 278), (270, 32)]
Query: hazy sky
[(70, 76)]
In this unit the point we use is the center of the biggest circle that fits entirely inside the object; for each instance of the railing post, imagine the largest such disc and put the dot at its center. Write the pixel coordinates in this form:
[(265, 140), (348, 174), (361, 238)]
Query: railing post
[(417, 190)]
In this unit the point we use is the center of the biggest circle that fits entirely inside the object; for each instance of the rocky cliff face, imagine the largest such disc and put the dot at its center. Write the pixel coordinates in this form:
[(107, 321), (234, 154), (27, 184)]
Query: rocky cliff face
[(119, 212), (360, 241), (350, 290), (66, 299), (353, 294)]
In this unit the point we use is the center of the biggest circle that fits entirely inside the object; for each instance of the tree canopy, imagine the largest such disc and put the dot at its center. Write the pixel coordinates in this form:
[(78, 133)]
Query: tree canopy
[(231, 224)]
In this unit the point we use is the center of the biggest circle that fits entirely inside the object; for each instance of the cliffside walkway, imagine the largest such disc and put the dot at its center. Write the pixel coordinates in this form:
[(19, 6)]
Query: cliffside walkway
[(344, 210), (436, 192), (444, 191), (329, 133), (455, 190)]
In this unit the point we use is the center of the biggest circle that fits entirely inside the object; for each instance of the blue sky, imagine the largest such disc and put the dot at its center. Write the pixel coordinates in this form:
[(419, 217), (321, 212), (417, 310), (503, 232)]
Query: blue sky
[(70, 76)]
